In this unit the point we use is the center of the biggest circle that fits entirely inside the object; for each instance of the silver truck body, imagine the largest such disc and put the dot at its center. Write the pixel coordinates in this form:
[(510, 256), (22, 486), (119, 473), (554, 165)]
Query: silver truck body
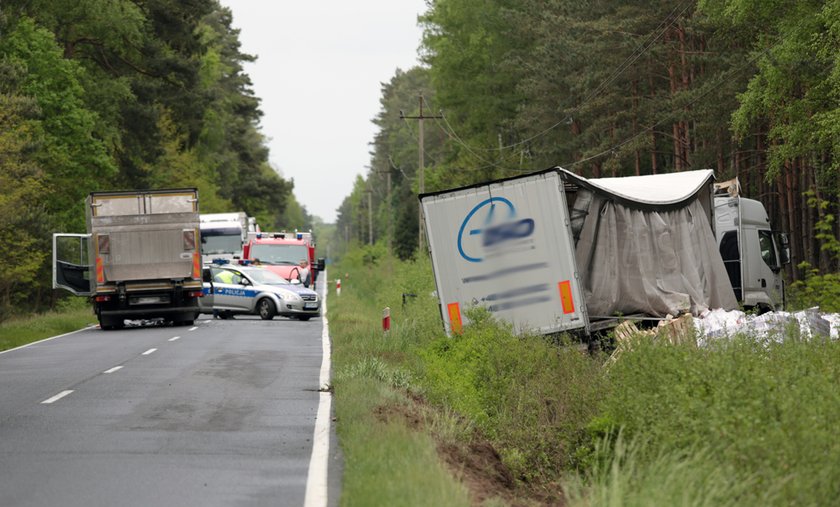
[(143, 258)]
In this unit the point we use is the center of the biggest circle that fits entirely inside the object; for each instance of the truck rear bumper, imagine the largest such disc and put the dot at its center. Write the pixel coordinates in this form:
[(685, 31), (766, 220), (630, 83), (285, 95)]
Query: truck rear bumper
[(147, 312)]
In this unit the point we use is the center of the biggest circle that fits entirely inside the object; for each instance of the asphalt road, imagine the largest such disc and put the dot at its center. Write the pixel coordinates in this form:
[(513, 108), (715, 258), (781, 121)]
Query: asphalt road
[(221, 413)]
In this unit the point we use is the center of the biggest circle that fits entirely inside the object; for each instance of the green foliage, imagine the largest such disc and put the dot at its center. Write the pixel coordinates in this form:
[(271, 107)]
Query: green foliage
[(116, 94), (815, 290), (691, 478), (72, 314), (764, 411), (527, 395)]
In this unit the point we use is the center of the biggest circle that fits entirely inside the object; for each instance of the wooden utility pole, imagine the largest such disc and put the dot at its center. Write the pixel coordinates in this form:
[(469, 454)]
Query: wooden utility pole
[(421, 168), (390, 213), (370, 216)]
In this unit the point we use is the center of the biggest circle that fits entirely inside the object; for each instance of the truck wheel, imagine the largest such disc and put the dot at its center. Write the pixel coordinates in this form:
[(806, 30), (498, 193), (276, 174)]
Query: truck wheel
[(266, 309), (109, 323)]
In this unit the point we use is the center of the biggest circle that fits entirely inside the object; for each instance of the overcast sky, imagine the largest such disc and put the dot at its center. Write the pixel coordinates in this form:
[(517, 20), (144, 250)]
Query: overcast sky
[(319, 72)]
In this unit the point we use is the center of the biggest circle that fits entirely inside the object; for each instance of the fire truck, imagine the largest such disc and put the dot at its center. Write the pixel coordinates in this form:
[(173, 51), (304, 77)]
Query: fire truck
[(281, 252)]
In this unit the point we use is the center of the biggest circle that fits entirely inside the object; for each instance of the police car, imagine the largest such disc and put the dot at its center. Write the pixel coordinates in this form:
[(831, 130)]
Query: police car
[(230, 290)]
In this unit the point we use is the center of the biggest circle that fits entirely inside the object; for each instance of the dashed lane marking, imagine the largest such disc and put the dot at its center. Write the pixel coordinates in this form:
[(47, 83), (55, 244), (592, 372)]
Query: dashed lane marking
[(174, 338), (57, 397), (148, 352), (112, 370)]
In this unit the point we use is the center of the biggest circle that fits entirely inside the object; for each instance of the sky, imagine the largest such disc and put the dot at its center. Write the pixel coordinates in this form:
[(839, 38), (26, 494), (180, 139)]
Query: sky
[(319, 70)]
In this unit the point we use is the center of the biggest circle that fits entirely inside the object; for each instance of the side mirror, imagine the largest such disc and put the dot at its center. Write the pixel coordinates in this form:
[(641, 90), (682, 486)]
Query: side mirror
[(783, 241), (245, 281), (294, 281), (321, 264)]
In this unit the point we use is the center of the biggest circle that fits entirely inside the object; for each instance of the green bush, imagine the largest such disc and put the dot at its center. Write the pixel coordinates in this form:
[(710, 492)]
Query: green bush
[(815, 290), (765, 410), (531, 398)]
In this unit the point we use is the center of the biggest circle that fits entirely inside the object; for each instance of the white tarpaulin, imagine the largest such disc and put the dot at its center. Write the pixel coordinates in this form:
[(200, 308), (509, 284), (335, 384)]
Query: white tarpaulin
[(645, 245)]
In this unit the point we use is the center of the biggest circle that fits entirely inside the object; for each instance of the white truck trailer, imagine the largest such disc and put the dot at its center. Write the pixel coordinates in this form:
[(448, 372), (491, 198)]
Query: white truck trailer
[(139, 259), (552, 251), (223, 235)]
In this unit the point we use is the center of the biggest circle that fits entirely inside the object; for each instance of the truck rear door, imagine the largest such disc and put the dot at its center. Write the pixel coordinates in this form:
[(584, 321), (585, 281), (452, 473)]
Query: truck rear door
[(506, 246), (71, 263)]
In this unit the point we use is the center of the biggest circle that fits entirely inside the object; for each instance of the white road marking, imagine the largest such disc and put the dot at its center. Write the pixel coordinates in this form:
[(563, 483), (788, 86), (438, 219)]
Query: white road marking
[(148, 352), (112, 370), (47, 339), (174, 338), (193, 328), (57, 397), (316, 480)]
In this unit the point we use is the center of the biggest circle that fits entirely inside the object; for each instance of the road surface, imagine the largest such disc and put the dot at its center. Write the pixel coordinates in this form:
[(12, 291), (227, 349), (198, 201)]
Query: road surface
[(221, 413)]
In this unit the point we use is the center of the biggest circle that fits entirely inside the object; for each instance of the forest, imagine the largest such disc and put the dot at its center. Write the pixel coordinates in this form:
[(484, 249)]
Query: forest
[(133, 94), (114, 95), (615, 88)]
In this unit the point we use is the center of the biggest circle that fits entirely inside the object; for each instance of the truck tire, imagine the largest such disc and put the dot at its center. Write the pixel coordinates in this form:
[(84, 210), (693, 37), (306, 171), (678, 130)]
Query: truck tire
[(266, 309), (109, 323)]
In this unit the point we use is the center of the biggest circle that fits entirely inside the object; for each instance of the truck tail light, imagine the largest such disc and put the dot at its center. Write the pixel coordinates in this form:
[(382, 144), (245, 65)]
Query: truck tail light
[(195, 294), (100, 270), (189, 239), (103, 243), (196, 271), (100, 299)]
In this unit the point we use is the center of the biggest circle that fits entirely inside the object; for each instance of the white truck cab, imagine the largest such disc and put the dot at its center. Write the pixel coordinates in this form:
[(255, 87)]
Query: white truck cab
[(752, 252)]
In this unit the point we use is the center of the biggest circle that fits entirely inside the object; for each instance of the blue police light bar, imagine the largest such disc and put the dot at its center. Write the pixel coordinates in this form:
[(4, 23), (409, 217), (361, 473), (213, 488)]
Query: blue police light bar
[(245, 262), (220, 262), (259, 235), (300, 236)]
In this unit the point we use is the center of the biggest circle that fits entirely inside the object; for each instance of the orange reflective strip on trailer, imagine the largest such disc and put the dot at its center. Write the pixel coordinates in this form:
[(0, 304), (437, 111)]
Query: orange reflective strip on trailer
[(196, 266), (455, 317), (100, 271), (566, 296)]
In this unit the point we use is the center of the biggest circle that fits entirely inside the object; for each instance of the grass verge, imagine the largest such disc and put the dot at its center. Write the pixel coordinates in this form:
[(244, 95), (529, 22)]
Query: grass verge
[(522, 420), (71, 316)]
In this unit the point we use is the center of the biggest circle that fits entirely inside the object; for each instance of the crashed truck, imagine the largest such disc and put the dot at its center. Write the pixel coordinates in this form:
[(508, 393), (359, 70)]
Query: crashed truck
[(140, 258), (552, 251)]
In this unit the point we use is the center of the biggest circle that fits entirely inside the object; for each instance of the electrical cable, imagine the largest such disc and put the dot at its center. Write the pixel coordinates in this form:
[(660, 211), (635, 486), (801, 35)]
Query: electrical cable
[(644, 47)]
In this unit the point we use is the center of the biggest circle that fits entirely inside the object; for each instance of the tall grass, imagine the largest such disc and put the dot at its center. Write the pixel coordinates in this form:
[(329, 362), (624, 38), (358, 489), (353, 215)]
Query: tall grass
[(386, 461), (73, 314), (740, 422), (767, 411)]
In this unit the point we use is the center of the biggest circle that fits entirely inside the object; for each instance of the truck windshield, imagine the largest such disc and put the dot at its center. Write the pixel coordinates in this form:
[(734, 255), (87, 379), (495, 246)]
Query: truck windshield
[(279, 254), (221, 241)]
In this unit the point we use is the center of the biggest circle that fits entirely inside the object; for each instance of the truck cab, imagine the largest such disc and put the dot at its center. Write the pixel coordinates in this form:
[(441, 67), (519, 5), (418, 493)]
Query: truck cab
[(223, 235), (752, 252), (281, 252)]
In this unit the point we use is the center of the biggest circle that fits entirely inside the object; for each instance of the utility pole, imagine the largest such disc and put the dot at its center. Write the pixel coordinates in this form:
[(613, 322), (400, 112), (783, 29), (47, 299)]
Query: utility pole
[(421, 168), (390, 230), (370, 216)]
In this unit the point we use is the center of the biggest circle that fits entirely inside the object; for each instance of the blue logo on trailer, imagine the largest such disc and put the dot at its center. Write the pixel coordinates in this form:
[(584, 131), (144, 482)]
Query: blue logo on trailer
[(485, 225)]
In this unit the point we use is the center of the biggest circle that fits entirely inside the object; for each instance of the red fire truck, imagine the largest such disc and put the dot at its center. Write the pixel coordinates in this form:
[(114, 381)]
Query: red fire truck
[(281, 252)]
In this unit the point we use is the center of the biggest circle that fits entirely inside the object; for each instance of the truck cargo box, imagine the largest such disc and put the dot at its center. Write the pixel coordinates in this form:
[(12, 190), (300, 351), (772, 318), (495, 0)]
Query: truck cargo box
[(506, 245)]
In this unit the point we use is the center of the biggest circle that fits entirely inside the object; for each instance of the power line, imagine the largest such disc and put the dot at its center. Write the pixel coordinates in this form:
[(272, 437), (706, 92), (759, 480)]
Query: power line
[(641, 49), (711, 88)]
